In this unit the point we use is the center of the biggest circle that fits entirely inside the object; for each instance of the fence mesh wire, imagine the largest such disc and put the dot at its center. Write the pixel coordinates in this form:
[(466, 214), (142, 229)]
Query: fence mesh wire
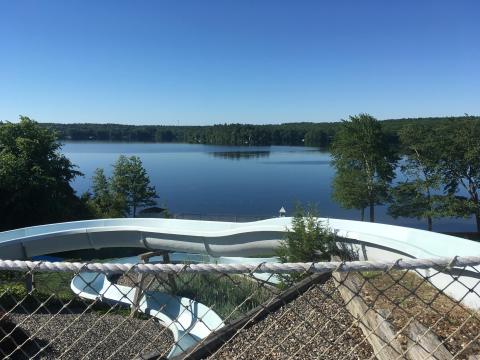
[(394, 313)]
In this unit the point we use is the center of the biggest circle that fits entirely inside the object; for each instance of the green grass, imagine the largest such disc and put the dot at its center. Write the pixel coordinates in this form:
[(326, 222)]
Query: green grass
[(52, 292), (228, 296), (57, 283)]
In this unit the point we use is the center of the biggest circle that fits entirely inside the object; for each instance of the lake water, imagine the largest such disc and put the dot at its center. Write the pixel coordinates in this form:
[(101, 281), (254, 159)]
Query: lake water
[(233, 181)]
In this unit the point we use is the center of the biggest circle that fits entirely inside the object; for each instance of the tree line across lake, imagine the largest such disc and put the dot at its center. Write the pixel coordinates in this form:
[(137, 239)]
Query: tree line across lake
[(439, 159), (309, 134)]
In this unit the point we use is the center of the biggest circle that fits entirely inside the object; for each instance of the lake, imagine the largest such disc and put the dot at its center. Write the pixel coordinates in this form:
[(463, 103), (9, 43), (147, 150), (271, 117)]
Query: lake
[(233, 181)]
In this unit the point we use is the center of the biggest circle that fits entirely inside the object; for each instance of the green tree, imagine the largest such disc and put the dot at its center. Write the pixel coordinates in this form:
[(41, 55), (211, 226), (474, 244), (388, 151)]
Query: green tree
[(361, 146), (103, 201), (316, 137), (131, 183), (349, 190), (35, 177), (408, 200), (460, 164), (419, 196)]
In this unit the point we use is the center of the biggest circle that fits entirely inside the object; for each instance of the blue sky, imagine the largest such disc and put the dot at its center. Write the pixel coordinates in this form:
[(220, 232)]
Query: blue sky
[(248, 61)]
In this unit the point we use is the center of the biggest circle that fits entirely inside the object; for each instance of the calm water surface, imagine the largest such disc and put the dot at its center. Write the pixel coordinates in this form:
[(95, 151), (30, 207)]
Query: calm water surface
[(231, 180)]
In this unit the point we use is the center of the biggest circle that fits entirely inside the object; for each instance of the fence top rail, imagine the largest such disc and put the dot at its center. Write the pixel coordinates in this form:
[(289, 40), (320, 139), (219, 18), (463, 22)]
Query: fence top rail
[(241, 268)]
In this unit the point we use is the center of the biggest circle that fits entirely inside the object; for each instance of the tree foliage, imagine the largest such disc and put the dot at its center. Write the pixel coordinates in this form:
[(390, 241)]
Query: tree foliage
[(301, 133), (410, 199), (35, 177), (349, 190), (124, 192), (103, 201), (460, 164), (420, 195), (361, 149), (131, 183)]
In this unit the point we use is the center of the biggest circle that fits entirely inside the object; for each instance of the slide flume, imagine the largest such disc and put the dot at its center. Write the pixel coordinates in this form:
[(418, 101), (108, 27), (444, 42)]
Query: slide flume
[(188, 320), (260, 238)]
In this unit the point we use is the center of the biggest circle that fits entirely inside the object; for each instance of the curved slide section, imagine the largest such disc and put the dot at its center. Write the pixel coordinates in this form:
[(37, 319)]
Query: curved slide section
[(260, 238), (188, 320), (217, 238)]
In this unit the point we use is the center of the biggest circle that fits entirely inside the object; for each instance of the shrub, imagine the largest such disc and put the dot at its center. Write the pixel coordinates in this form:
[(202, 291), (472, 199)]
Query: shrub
[(308, 240)]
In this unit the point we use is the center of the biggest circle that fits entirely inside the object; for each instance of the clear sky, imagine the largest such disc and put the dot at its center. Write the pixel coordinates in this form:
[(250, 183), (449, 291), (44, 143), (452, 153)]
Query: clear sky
[(248, 61)]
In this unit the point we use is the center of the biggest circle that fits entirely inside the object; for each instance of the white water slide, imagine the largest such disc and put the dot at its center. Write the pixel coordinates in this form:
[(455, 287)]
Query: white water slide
[(224, 239), (188, 320)]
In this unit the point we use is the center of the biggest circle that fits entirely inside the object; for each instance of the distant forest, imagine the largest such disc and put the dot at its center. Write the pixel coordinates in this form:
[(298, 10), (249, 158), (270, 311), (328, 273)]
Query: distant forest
[(304, 133)]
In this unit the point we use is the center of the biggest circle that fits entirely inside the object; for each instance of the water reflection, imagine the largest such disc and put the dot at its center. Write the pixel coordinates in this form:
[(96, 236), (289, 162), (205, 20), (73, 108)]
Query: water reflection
[(299, 162), (240, 155)]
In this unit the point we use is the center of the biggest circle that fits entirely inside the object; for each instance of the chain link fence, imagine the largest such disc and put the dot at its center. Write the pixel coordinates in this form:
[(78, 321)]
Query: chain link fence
[(353, 310)]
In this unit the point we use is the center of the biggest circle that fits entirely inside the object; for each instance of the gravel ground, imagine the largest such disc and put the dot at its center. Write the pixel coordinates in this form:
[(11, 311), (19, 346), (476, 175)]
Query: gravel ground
[(316, 325), (98, 336)]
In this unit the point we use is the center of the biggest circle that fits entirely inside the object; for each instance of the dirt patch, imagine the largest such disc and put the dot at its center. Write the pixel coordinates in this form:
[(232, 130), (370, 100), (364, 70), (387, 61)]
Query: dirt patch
[(407, 296)]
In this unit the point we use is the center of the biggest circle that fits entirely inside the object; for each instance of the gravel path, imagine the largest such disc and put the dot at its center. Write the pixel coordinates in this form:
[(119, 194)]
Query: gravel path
[(99, 337), (316, 325)]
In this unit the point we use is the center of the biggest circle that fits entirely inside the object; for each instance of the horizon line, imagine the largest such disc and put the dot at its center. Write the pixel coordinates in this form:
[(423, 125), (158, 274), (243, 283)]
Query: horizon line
[(239, 123)]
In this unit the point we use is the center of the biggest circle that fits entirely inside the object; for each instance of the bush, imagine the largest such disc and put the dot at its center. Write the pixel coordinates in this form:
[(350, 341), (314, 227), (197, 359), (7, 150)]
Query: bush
[(15, 290), (308, 240)]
